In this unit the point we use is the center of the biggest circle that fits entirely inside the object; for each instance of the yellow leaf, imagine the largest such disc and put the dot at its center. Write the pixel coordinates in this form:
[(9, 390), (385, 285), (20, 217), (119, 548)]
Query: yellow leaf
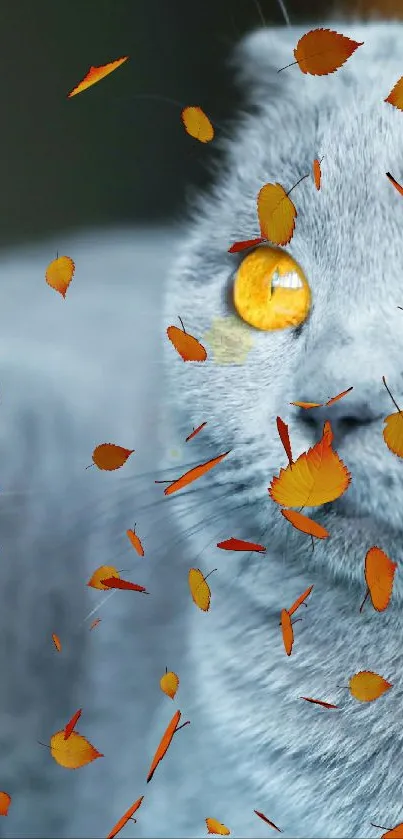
[(213, 826), (276, 214), (199, 589), (169, 684), (95, 74), (109, 457), (59, 274), (393, 433), (367, 686), (197, 124), (322, 51), (395, 96), (316, 477), (104, 572), (74, 752)]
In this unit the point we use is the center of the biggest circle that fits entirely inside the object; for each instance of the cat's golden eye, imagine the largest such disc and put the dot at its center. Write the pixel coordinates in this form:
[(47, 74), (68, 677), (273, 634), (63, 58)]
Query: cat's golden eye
[(271, 290)]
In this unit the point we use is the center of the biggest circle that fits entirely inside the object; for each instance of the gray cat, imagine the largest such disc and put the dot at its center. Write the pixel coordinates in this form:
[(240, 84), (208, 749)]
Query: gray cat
[(98, 367)]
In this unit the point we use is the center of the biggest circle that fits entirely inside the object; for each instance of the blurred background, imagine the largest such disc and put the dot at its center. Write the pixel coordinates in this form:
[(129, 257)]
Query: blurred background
[(117, 153)]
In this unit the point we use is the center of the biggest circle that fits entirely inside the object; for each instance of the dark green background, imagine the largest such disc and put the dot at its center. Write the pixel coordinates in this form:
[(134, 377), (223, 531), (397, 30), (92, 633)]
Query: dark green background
[(105, 156)]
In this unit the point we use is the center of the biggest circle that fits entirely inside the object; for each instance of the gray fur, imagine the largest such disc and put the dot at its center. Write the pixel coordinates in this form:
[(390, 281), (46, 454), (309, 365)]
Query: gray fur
[(89, 369)]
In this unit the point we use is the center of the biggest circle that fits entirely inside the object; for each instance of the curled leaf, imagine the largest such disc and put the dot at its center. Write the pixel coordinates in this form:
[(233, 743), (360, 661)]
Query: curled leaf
[(316, 172), (246, 243), (188, 347), (319, 702), (367, 686), (195, 431), (282, 429), (165, 743), (56, 641), (322, 51), (169, 683), (100, 573), (307, 405), (95, 623), (71, 724), (125, 818), (339, 396), (276, 214), (240, 545), (135, 541), (5, 801), (193, 474), (197, 124), (265, 819), (395, 183), (95, 74), (287, 630), (116, 582), (213, 826), (379, 576), (301, 599), (74, 752), (199, 589), (109, 457), (305, 524), (59, 274)]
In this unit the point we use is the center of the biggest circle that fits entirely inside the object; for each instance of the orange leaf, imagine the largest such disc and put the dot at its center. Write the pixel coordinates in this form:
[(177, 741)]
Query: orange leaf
[(367, 686), (305, 524), (56, 641), (59, 274), (71, 724), (169, 683), (110, 457), (197, 124), (394, 833), (135, 541), (165, 743), (213, 826), (316, 172), (102, 571), (240, 545), (276, 214), (339, 396), (188, 347), (242, 246), (395, 183), (195, 431), (287, 630), (379, 576), (282, 429), (5, 801), (299, 600), (116, 582), (265, 819), (199, 589), (307, 405), (95, 623), (74, 752), (121, 823), (194, 473), (95, 74), (319, 702), (395, 97), (322, 51), (316, 477)]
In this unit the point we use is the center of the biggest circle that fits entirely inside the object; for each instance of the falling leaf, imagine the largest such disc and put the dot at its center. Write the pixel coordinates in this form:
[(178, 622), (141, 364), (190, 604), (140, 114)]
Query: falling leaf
[(56, 641), (305, 524), (116, 582), (393, 433), (109, 457), (392, 833), (316, 477), (339, 396), (74, 752), (301, 599), (199, 589), (246, 243), (395, 97), (213, 826), (95, 74), (276, 214), (135, 541), (395, 183), (240, 545), (195, 431), (193, 474), (367, 686), (319, 702), (100, 573), (316, 172), (127, 816), (165, 743), (230, 340), (287, 630), (197, 124), (95, 623), (307, 405), (379, 576), (265, 819), (282, 429), (5, 801), (322, 51), (59, 274), (169, 683), (188, 347), (72, 724)]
